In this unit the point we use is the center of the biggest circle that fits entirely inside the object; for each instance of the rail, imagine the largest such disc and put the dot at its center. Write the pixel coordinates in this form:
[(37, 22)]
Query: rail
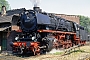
[(67, 51)]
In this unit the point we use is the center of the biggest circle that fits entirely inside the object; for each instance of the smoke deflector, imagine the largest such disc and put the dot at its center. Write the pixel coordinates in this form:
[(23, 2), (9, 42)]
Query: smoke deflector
[(42, 19)]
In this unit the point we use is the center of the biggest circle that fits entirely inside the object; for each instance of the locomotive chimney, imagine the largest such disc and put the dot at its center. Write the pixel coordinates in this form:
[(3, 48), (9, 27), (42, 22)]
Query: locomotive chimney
[(37, 9), (3, 10), (36, 5)]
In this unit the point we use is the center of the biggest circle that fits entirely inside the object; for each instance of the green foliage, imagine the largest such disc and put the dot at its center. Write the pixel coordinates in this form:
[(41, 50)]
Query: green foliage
[(58, 53), (5, 3), (85, 21)]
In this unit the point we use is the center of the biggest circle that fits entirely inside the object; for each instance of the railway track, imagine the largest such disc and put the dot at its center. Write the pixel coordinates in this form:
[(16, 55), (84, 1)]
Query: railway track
[(70, 56)]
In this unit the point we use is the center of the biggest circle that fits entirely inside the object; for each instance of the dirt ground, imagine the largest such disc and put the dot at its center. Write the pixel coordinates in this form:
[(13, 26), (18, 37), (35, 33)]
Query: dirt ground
[(79, 54)]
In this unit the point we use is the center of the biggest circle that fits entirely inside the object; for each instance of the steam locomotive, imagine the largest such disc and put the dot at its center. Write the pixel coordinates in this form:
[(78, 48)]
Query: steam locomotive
[(39, 32)]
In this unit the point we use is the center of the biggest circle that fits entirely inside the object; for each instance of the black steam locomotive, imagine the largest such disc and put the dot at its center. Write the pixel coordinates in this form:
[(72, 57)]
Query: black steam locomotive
[(39, 32)]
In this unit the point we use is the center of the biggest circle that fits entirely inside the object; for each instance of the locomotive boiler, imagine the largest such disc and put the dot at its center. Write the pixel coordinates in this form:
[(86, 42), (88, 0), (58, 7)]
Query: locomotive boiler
[(38, 32)]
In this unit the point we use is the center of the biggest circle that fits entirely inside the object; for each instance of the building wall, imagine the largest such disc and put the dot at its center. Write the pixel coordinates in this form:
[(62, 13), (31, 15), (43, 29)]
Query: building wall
[(73, 18), (0, 38), (0, 41), (3, 41)]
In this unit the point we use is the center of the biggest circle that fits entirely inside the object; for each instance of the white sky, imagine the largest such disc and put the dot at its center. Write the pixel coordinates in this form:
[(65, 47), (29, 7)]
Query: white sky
[(70, 7)]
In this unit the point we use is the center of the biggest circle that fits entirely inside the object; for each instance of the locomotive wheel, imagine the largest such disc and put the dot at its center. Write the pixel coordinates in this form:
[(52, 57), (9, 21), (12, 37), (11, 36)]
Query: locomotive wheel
[(22, 51), (50, 44), (43, 51), (36, 51)]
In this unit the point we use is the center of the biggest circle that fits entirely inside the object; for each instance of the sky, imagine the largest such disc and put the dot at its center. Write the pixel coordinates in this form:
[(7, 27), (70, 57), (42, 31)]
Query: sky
[(69, 7)]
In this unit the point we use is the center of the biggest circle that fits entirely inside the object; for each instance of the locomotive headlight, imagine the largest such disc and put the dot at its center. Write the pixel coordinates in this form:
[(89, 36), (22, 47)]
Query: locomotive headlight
[(16, 38), (47, 28), (78, 28), (33, 38)]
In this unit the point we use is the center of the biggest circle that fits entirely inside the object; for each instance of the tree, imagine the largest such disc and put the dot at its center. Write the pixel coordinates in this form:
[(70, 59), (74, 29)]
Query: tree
[(85, 22), (4, 3)]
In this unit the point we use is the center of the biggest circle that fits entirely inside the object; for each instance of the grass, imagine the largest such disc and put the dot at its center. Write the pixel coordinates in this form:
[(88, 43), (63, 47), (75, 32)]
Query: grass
[(58, 53), (78, 51), (72, 51)]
